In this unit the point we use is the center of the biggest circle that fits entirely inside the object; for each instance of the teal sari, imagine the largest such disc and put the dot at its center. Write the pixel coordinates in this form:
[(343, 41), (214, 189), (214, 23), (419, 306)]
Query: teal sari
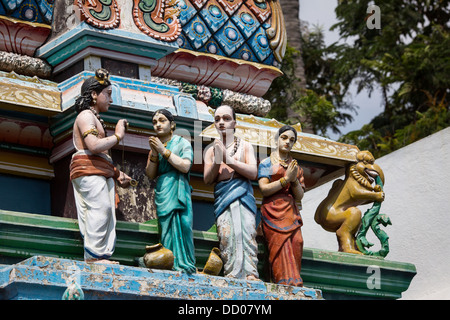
[(174, 206)]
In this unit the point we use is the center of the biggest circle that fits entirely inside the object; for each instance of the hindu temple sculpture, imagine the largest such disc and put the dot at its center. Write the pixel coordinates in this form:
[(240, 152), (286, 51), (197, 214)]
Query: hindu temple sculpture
[(169, 160), (92, 172), (339, 211), (282, 184), (188, 57), (230, 163)]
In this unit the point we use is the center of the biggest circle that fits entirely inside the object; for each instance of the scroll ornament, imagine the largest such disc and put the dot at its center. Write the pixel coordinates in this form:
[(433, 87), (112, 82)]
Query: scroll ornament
[(157, 18), (102, 14), (277, 32)]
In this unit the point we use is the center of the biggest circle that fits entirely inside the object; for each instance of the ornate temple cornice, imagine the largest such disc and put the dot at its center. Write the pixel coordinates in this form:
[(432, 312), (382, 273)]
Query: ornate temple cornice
[(261, 132), (83, 36), (30, 94), (217, 71), (22, 37)]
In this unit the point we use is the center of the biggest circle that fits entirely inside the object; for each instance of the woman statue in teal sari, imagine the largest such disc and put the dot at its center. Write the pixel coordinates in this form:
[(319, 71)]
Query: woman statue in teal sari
[(170, 160)]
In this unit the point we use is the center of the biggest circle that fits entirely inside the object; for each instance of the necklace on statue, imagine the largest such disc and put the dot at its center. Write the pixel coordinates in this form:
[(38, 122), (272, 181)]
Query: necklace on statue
[(236, 142), (99, 119), (275, 158), (283, 162)]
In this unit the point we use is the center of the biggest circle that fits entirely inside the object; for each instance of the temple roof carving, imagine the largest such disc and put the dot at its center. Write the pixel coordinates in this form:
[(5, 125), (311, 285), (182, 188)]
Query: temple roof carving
[(249, 30)]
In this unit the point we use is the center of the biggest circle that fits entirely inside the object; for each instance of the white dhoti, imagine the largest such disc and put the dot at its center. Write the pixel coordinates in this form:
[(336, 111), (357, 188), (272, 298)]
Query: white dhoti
[(236, 230), (95, 203)]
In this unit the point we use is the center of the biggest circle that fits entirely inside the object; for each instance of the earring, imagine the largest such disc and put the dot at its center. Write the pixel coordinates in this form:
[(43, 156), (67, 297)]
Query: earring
[(94, 101)]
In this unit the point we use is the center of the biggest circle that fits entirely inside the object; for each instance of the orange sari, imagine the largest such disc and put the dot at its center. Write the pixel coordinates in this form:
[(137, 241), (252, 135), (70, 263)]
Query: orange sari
[(281, 224)]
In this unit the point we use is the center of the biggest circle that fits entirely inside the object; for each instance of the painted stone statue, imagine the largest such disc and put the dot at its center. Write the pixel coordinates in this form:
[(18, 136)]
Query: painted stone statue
[(372, 219), (170, 159), (92, 172), (230, 163), (338, 212), (281, 181)]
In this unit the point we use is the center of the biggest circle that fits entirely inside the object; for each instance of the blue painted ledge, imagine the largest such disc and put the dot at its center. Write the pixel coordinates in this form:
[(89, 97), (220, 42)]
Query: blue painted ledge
[(46, 278)]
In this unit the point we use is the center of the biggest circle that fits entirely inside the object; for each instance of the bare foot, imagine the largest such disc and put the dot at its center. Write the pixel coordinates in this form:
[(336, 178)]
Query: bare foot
[(252, 278), (105, 261)]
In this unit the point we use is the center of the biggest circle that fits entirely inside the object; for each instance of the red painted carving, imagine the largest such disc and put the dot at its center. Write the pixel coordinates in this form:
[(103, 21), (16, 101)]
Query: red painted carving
[(99, 13)]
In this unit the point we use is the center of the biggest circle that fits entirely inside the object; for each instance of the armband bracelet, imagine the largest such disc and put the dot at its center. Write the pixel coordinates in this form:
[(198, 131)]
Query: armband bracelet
[(118, 138), (167, 154), (283, 182), (92, 131)]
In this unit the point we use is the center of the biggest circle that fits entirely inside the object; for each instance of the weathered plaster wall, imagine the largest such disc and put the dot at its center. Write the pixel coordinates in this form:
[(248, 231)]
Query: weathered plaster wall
[(417, 195)]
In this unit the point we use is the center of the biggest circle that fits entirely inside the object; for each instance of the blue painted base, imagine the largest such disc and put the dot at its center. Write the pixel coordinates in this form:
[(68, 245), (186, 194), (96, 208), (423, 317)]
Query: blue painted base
[(47, 278)]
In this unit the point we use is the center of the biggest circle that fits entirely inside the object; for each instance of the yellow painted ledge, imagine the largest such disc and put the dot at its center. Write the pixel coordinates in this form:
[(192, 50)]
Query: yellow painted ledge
[(308, 147), (25, 165), (29, 94)]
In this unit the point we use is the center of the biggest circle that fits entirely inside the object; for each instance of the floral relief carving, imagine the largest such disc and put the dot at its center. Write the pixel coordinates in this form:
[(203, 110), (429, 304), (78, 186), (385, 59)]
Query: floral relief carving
[(103, 14)]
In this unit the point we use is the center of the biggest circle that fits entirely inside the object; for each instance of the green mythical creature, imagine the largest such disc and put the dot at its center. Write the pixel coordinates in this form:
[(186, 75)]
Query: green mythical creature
[(372, 218)]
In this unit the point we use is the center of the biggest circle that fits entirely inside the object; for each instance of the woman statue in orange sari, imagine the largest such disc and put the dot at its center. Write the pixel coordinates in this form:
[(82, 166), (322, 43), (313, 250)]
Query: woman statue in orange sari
[(282, 185)]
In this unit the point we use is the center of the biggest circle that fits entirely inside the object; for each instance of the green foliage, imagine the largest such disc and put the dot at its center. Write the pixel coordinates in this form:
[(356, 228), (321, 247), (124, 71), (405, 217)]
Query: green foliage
[(321, 101), (366, 138), (436, 118), (285, 90), (409, 59), (321, 112), (325, 83)]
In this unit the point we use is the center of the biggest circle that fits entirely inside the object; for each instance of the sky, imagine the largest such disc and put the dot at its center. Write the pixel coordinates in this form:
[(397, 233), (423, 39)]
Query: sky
[(321, 12)]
